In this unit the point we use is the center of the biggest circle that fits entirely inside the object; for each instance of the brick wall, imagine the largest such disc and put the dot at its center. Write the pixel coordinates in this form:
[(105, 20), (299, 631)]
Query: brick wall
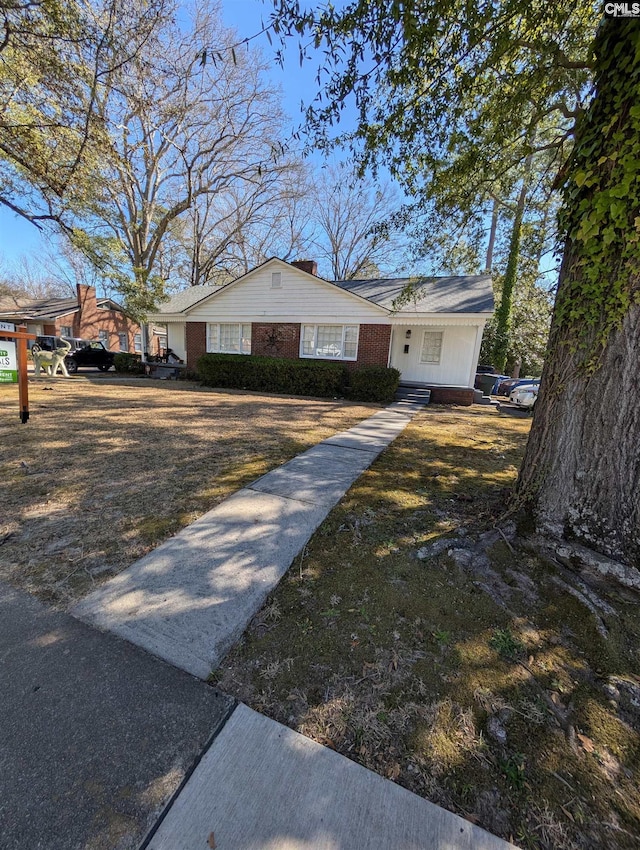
[(282, 339), (90, 319), (196, 339), (275, 339), (451, 395), (373, 345)]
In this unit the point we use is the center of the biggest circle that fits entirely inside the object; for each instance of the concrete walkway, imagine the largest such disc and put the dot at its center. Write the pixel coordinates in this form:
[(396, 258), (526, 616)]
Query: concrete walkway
[(262, 786), (103, 743), (190, 599)]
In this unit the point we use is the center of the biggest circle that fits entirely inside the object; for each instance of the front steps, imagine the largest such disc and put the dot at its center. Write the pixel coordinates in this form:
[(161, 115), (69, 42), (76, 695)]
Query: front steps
[(413, 395)]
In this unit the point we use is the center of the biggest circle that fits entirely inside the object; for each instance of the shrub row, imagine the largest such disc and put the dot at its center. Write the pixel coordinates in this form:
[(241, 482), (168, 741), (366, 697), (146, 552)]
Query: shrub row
[(131, 363), (298, 377), (373, 383)]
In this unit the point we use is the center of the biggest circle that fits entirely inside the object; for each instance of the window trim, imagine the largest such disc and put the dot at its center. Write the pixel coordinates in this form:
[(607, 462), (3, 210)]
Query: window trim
[(437, 362), (220, 350), (315, 341)]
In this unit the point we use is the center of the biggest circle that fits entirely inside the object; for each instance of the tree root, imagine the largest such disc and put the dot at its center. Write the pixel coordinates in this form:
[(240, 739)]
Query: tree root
[(589, 564)]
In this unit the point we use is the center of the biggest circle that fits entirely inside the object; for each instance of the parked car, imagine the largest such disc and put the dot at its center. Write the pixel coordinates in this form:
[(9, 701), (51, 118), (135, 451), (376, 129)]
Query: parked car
[(507, 386), (524, 396), (48, 343), (84, 352)]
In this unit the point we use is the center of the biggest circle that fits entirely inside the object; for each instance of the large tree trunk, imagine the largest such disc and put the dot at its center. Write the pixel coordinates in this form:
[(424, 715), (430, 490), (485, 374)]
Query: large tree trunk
[(581, 471)]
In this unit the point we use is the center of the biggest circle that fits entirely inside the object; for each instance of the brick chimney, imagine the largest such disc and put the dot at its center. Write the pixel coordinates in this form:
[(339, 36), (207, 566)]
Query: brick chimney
[(85, 320), (86, 296), (309, 266)]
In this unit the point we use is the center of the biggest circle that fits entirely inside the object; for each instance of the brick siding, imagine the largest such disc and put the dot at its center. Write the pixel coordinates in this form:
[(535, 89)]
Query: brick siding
[(282, 339), (89, 320), (451, 395), (196, 339), (275, 339), (373, 346)]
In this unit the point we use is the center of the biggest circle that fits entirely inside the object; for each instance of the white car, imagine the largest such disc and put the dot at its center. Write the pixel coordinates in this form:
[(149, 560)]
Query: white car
[(524, 395)]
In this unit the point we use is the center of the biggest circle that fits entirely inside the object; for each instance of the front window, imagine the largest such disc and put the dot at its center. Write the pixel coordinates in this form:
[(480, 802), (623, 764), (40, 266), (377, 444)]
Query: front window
[(103, 336), (339, 342), (124, 342), (229, 338), (66, 330), (431, 347), (137, 342)]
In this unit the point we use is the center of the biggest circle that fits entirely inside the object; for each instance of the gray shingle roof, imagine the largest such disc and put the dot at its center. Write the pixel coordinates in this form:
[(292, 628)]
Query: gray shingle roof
[(37, 308), (43, 308), (454, 294), (185, 299)]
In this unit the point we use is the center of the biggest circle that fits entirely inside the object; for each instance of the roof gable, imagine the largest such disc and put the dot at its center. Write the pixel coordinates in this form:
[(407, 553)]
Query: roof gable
[(308, 286)]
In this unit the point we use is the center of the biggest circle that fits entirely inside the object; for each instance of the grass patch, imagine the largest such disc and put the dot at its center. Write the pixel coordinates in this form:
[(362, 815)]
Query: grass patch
[(509, 709), (107, 468)]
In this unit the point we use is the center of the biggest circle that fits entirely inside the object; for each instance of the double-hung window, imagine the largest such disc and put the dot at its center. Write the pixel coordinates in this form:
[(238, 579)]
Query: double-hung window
[(431, 347), (229, 338), (339, 342)]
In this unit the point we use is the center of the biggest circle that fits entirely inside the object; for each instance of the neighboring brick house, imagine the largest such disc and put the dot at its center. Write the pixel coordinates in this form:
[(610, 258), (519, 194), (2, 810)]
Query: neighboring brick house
[(84, 317), (432, 336)]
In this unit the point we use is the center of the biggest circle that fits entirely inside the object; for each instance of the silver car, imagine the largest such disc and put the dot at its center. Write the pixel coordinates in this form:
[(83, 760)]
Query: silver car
[(524, 395)]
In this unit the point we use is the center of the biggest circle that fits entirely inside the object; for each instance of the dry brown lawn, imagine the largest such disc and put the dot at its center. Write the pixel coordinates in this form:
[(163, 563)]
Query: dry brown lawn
[(498, 686), (108, 468)]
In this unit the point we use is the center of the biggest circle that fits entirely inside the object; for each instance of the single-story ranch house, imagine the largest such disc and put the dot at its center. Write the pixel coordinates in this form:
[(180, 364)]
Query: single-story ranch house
[(431, 335)]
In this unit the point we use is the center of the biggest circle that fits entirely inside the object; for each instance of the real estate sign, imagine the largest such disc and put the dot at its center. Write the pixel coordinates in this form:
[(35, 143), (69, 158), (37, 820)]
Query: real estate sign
[(8, 363)]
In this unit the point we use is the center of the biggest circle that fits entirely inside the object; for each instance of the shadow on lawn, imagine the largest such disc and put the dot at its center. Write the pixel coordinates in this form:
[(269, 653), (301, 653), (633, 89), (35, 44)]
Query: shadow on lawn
[(501, 707), (94, 481)]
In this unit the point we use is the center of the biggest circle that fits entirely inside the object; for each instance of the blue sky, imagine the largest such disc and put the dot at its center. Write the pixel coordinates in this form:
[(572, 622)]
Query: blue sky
[(18, 237)]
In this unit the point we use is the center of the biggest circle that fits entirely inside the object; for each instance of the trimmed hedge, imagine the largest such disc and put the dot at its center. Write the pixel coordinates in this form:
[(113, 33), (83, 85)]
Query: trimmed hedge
[(272, 374), (321, 378), (373, 383), (131, 363)]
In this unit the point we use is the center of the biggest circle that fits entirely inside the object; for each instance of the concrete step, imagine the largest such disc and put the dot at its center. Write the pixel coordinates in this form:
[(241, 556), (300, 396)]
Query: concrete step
[(414, 395)]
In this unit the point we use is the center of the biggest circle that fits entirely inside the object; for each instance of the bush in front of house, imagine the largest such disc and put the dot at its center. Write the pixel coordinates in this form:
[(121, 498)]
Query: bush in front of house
[(373, 383), (129, 363), (273, 374)]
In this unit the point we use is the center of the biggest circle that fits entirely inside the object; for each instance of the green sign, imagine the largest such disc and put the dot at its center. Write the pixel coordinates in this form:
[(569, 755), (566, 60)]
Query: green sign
[(8, 363)]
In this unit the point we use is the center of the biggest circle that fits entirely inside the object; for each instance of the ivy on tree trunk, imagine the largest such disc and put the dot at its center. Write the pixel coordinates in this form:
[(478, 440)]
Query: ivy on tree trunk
[(581, 471)]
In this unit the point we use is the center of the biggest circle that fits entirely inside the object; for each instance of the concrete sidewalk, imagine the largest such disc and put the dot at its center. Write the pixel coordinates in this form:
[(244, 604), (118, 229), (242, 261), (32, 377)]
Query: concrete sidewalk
[(190, 599), (262, 786), (97, 735), (103, 744)]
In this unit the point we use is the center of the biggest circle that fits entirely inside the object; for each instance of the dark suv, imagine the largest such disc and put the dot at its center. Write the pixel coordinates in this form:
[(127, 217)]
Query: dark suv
[(83, 352)]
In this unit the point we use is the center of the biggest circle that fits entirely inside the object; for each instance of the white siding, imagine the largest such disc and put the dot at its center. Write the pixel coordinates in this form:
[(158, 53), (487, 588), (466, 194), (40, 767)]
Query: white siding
[(176, 339), (456, 360), (300, 298)]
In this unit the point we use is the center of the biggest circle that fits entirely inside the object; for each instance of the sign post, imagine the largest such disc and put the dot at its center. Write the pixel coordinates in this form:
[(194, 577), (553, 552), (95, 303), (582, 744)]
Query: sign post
[(13, 363)]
